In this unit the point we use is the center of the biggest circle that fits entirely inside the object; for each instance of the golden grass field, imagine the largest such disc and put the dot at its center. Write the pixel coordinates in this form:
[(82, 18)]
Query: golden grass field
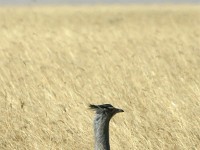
[(54, 61)]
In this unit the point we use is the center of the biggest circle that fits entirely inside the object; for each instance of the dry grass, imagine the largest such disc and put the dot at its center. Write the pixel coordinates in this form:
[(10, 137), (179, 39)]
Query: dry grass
[(54, 61)]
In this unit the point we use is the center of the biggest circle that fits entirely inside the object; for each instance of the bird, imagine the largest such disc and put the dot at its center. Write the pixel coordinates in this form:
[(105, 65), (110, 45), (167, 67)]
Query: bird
[(103, 115)]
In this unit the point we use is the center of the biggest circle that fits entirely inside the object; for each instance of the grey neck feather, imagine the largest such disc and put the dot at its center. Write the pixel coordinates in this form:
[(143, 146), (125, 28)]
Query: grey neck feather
[(101, 130)]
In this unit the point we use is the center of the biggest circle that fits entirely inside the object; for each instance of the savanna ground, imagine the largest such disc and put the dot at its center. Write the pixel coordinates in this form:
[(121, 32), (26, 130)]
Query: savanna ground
[(54, 61)]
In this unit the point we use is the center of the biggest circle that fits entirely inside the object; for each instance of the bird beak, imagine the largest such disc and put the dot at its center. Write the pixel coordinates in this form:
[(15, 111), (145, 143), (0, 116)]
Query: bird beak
[(119, 110)]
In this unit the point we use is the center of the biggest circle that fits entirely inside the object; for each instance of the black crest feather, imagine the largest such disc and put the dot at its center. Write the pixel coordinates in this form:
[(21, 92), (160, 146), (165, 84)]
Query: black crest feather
[(91, 106), (94, 107)]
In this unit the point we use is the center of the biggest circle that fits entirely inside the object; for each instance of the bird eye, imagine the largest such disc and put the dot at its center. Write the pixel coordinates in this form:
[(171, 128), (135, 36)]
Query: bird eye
[(110, 108)]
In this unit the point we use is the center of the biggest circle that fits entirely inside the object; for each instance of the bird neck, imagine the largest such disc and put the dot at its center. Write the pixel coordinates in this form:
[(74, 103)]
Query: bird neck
[(101, 129)]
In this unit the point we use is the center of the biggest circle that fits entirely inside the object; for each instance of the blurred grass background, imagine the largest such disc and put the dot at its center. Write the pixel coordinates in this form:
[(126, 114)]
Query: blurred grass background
[(54, 61)]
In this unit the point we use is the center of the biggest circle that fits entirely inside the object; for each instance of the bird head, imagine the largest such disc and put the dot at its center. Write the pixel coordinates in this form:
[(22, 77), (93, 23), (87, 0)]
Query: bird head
[(106, 110)]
